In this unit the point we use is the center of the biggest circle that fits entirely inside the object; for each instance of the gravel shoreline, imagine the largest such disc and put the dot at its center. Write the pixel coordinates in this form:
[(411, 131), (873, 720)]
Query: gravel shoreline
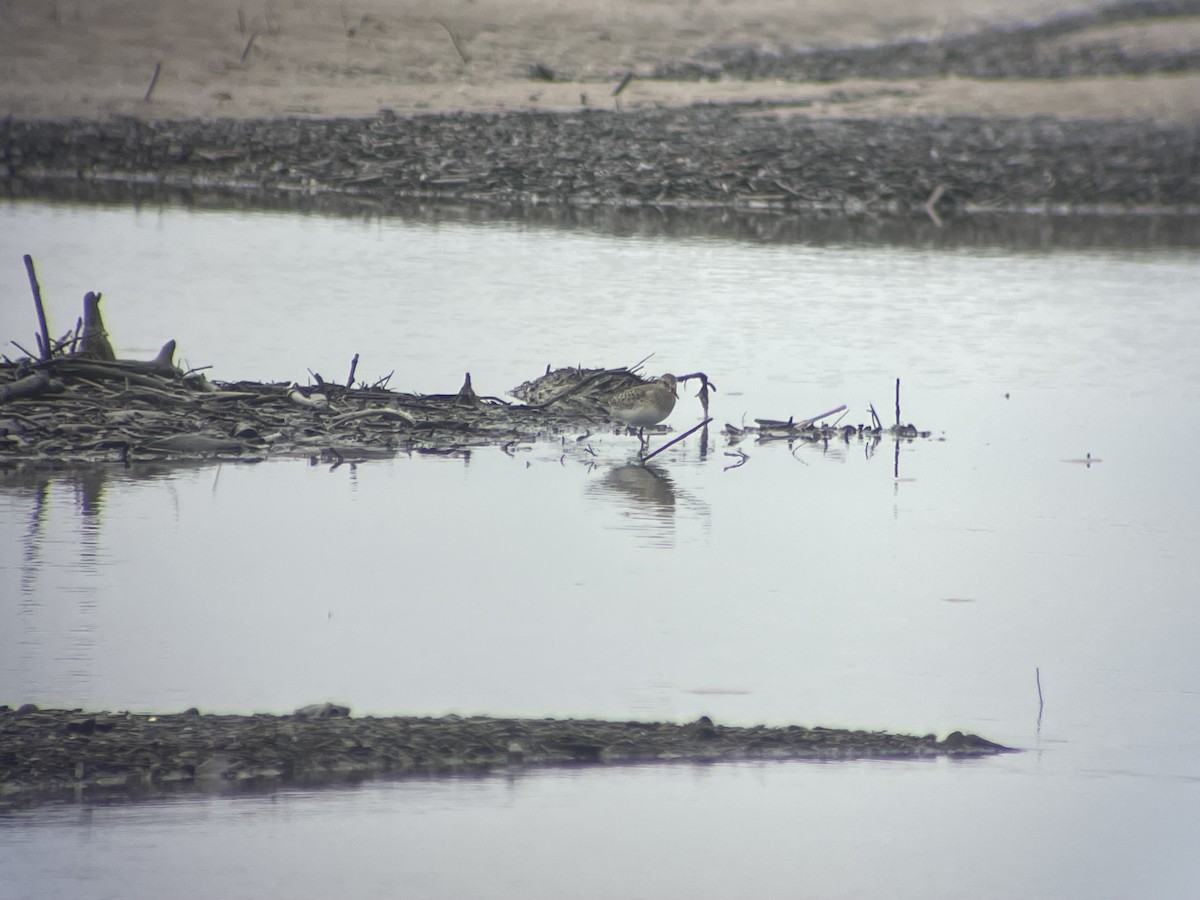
[(56, 752)]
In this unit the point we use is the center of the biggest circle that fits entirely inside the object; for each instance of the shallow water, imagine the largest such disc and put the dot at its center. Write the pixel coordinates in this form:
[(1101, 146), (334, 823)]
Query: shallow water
[(811, 586)]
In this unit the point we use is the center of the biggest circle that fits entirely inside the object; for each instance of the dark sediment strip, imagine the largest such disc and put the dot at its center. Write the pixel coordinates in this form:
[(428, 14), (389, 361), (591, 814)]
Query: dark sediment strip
[(48, 752), (701, 157)]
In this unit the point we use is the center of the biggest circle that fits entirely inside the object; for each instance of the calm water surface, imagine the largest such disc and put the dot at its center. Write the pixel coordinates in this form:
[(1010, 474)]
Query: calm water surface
[(808, 585)]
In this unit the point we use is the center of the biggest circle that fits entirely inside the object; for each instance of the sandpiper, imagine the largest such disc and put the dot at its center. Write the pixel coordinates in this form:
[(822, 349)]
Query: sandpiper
[(643, 405)]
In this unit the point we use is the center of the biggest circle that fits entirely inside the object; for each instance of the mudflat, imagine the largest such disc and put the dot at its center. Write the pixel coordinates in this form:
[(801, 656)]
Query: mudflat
[(228, 58)]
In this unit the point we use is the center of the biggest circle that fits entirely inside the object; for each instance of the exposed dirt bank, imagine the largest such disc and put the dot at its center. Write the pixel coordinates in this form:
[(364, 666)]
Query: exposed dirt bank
[(49, 752), (940, 112), (230, 58)]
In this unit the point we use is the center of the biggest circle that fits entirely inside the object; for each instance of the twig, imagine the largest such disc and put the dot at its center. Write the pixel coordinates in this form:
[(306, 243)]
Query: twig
[(384, 411), (897, 402), (622, 84), (462, 54), (1041, 703), (931, 203), (249, 44), (633, 369), (705, 384), (875, 417), (674, 441), (62, 342), (153, 81), (41, 310), (806, 422), (26, 352), (353, 366), (742, 457)]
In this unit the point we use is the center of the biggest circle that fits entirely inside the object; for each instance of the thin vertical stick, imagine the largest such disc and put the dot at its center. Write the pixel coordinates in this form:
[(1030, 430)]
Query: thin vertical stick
[(1038, 674), (153, 81), (41, 310), (897, 402)]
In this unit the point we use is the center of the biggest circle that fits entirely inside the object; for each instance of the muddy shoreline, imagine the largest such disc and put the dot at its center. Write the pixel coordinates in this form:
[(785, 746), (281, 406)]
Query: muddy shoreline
[(704, 157), (49, 753)]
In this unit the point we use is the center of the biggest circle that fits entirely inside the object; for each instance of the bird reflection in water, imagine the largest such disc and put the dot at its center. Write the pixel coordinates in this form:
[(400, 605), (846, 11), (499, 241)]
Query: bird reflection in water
[(646, 496), (641, 485)]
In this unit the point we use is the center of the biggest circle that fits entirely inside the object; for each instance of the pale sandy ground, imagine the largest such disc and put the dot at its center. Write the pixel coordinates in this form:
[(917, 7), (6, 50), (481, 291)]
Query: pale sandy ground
[(94, 58)]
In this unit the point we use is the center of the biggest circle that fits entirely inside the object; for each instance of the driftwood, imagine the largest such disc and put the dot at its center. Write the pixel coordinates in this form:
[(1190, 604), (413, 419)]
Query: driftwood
[(90, 406), (25, 387), (814, 429), (94, 343), (466, 395), (44, 333)]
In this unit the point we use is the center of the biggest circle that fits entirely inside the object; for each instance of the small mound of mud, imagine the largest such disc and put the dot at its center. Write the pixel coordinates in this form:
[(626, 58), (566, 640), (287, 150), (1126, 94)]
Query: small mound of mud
[(51, 752)]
